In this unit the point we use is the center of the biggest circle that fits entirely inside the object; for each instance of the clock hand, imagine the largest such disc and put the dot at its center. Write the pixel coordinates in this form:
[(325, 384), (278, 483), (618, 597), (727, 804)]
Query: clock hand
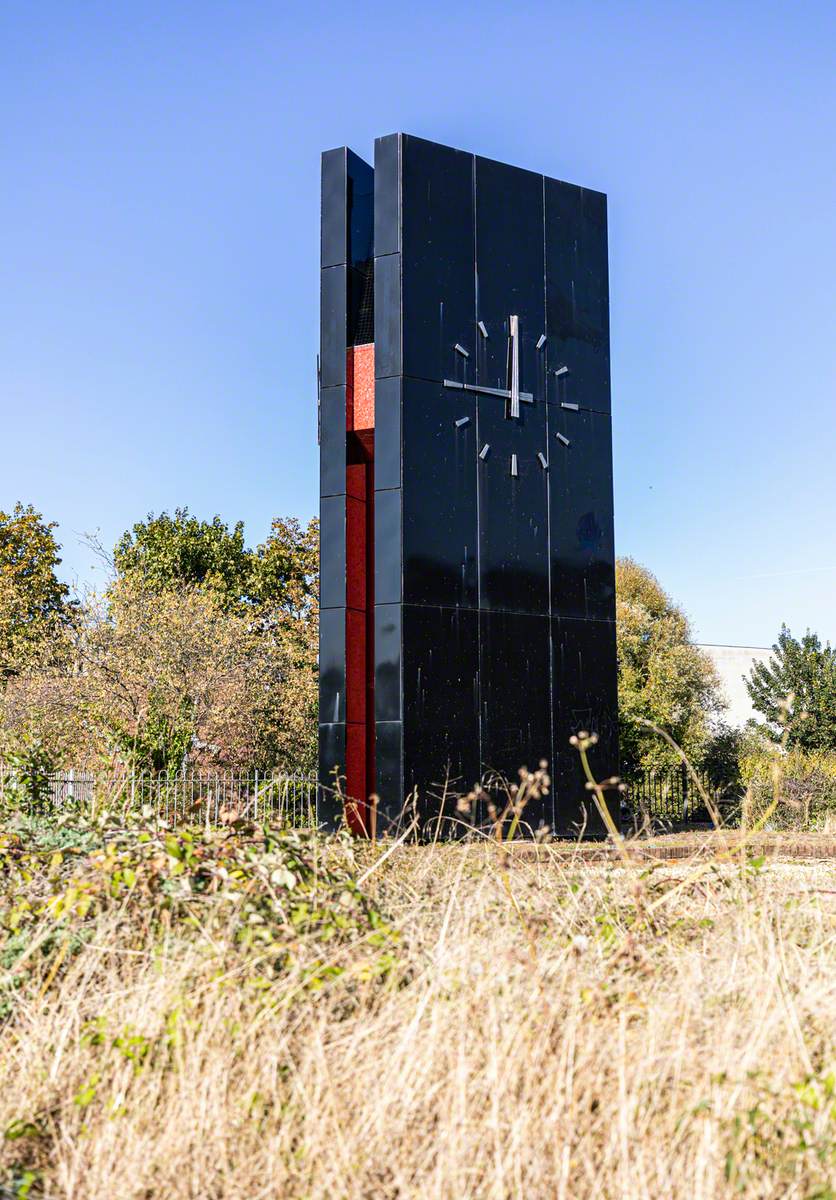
[(514, 332), (503, 393)]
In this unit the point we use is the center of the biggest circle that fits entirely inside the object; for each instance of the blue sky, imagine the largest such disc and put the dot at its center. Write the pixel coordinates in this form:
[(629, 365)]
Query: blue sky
[(159, 257)]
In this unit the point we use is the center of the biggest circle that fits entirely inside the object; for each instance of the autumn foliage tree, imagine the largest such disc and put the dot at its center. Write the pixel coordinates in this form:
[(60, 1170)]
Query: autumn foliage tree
[(200, 652)]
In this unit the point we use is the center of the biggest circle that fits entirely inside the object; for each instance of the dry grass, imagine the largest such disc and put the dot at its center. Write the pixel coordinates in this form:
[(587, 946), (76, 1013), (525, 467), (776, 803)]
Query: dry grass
[(534, 1027)]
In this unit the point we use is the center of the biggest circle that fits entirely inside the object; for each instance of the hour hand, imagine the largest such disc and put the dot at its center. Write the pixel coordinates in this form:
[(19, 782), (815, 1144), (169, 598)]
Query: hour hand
[(503, 393)]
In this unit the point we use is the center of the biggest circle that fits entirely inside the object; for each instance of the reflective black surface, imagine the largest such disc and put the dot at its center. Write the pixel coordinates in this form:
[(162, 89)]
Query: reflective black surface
[(577, 294), (513, 511), (387, 676), (387, 315), (389, 775), (333, 318), (387, 209), (582, 552), (439, 495), (360, 202), (515, 689), (509, 258), (333, 226), (332, 441), (437, 256), (494, 593), (440, 704), (387, 432), (332, 665), (584, 699), (332, 552), (360, 251), (331, 756), (387, 541)]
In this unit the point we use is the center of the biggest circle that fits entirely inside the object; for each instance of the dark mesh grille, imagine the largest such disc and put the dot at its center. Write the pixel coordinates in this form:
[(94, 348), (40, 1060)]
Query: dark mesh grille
[(361, 304)]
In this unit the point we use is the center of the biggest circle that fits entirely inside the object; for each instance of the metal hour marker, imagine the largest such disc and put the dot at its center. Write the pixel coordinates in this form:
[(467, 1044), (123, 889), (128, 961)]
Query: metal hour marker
[(562, 370), (541, 341), (461, 350), (483, 329), (571, 407), (483, 453), (513, 466), (543, 462), (514, 334), (562, 439), (462, 421)]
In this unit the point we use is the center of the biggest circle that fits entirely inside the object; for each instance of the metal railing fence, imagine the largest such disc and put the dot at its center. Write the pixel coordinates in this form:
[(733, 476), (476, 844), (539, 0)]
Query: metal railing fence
[(670, 795), (666, 796), (179, 798)]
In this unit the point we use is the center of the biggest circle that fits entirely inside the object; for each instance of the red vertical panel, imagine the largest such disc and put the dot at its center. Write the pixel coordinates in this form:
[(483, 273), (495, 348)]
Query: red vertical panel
[(360, 584)]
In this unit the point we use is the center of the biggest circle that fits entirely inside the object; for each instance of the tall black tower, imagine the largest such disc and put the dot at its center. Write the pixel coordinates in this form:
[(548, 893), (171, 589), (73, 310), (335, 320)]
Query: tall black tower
[(467, 596)]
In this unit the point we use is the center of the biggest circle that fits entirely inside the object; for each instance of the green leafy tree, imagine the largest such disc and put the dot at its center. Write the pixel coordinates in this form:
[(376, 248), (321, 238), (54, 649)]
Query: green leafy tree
[(34, 605), (662, 676), (166, 552), (795, 692), (285, 568)]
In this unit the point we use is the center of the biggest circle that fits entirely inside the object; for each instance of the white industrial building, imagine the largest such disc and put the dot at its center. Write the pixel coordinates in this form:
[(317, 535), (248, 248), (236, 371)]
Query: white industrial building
[(733, 663)]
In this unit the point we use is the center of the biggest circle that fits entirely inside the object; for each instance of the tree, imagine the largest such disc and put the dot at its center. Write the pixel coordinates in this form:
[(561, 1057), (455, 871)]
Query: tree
[(34, 605), (662, 676), (167, 552), (286, 567), (176, 676), (200, 650), (795, 692)]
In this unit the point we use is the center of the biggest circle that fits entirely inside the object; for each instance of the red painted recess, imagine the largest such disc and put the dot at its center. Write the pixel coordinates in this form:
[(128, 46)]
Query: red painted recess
[(359, 583)]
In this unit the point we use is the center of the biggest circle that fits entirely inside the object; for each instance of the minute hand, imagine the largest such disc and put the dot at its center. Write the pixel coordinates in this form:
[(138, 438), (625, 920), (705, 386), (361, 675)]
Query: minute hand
[(503, 393)]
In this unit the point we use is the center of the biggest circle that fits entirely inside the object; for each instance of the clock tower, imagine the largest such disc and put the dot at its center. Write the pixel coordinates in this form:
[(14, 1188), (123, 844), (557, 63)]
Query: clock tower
[(467, 622)]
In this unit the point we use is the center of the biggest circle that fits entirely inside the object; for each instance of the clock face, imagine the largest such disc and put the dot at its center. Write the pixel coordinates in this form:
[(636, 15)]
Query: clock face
[(511, 394)]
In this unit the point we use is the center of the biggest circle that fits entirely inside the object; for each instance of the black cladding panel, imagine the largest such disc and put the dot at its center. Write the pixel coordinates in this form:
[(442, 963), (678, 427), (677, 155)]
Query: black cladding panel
[(332, 552), (333, 325), (439, 495), (388, 546), (387, 432), (387, 194), (332, 665), (577, 295), (389, 775), (331, 760), (585, 699), (581, 506), (437, 257), (387, 316), (440, 703), (332, 441), (333, 228), (514, 674), (387, 646), (513, 509), (509, 267), (360, 188), (513, 485)]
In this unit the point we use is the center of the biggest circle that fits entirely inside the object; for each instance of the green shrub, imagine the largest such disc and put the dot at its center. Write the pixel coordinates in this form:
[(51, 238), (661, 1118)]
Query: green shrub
[(791, 791)]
